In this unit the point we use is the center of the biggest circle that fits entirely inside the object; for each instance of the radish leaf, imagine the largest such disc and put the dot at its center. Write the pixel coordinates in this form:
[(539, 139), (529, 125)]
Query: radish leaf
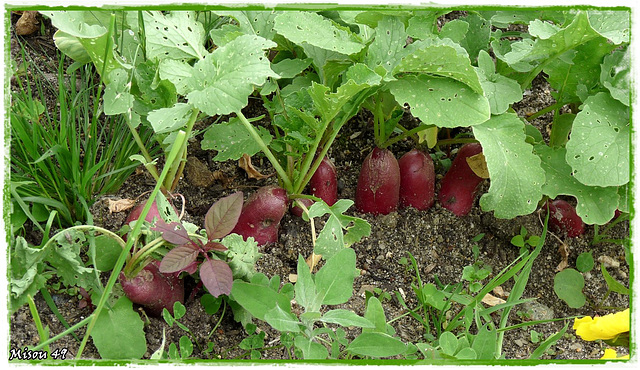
[(232, 140), (175, 35), (123, 323), (515, 172)]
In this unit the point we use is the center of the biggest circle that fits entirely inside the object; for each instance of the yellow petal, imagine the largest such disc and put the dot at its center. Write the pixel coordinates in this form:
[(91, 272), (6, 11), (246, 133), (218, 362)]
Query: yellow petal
[(602, 327), (611, 354)]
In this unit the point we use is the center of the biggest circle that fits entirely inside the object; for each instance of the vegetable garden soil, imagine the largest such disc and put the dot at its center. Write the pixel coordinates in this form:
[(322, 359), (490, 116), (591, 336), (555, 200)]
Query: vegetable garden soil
[(441, 243)]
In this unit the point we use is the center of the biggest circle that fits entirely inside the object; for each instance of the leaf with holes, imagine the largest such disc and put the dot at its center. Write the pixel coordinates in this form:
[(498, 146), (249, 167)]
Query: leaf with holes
[(515, 172), (216, 276), (117, 96), (174, 35), (596, 205), (223, 215), (316, 30), (615, 75), (598, 148), (170, 119), (501, 91), (439, 101)]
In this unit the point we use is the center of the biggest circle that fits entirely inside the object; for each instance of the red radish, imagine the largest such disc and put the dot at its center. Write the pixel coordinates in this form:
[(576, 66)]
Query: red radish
[(297, 211), (417, 180), (261, 215), (460, 183), (324, 182), (378, 190), (563, 218), (153, 289), (153, 213)]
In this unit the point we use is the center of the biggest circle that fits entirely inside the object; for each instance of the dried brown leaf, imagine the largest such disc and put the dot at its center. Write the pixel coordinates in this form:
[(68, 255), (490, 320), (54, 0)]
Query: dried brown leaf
[(121, 205), (563, 249), (492, 300), (478, 165), (245, 164), (28, 23)]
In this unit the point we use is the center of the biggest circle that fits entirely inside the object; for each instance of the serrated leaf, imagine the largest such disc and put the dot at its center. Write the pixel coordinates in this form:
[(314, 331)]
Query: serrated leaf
[(223, 215), (340, 231), (596, 205), (515, 172), (242, 256), (232, 140), (328, 104), (442, 102), (528, 54), (312, 28), (615, 75), (170, 119), (334, 281), (440, 58), (216, 276), (121, 322), (598, 149), (222, 81), (174, 35), (376, 345), (577, 70)]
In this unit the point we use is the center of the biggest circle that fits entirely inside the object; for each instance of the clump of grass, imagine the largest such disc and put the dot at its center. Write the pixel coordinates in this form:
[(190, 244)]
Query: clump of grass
[(64, 155)]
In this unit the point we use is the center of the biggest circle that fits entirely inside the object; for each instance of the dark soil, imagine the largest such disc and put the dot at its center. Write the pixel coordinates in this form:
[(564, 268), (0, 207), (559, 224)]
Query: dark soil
[(441, 243)]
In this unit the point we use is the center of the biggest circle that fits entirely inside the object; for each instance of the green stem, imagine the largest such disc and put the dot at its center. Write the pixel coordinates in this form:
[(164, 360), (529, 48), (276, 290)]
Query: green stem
[(265, 149), (546, 110), (36, 319), (178, 167), (180, 138), (404, 135), (130, 268)]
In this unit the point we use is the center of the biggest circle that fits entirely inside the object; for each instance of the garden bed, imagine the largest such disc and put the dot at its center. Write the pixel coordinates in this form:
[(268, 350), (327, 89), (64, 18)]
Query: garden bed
[(441, 243)]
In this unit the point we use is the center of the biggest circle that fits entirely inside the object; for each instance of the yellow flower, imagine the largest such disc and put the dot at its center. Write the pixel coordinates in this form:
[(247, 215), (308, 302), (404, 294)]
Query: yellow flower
[(610, 354), (602, 327)]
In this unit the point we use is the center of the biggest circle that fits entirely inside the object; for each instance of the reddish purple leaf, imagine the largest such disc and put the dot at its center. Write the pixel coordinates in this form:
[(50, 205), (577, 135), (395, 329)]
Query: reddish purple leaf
[(216, 276), (173, 233), (178, 258), (223, 216), (215, 246)]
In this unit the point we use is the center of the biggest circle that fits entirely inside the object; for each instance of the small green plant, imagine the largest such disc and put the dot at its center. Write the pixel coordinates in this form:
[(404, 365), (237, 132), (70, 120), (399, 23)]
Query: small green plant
[(316, 333), (569, 283), (523, 242)]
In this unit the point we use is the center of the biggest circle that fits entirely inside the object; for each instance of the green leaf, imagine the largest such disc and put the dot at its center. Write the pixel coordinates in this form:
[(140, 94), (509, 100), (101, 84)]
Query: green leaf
[(515, 172), (448, 343), (117, 96), (221, 82), (528, 54), (108, 251), (71, 47), (440, 58), (340, 231), (375, 314), (568, 285), (334, 281), (542, 348), (231, 140), (613, 24), (346, 318), (615, 75), (258, 299), (178, 73), (596, 205), (310, 350), (612, 283), (499, 90), (289, 68), (376, 345), (484, 344), (477, 37), (454, 30), (282, 321), (305, 288), (388, 45), (170, 119), (584, 262), (311, 28), (259, 23), (123, 323), (598, 149), (439, 101), (175, 35), (577, 70)]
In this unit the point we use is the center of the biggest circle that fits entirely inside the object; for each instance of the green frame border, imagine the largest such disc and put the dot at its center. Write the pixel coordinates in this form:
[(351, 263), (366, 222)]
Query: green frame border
[(311, 7)]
